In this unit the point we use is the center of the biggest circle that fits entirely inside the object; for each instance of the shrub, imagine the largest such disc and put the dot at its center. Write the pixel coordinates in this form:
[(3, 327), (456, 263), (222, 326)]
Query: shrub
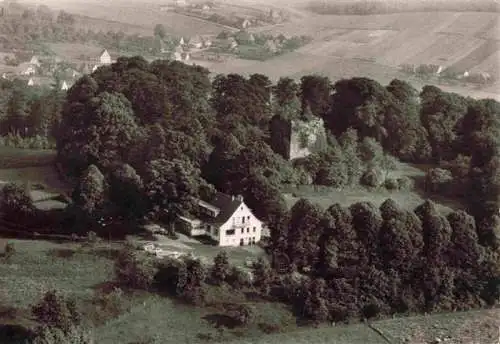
[(241, 314), (391, 184), (238, 278), (405, 183), (371, 178), (438, 180), (269, 328), (53, 335), (10, 250), (133, 271), (15, 201), (54, 311)]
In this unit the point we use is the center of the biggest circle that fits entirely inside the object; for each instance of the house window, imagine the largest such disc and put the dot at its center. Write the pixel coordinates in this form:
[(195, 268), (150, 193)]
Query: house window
[(243, 219), (254, 229), (248, 229), (242, 230), (248, 218), (242, 242), (230, 232), (216, 231)]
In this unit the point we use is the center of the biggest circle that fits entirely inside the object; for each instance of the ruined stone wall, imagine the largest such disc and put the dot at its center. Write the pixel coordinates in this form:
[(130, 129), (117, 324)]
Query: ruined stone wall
[(307, 138)]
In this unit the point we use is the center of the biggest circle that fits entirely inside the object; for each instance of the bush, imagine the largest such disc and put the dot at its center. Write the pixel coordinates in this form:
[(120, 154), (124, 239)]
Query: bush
[(54, 311), (241, 314), (371, 178), (15, 202), (391, 184), (10, 250), (405, 183), (438, 180), (133, 271), (74, 335)]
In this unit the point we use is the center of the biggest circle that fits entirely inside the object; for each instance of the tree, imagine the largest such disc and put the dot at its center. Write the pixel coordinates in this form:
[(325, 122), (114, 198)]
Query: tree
[(436, 233), (465, 251), (221, 268), (303, 233), (286, 101), (367, 221), (126, 192), (171, 188), (160, 31), (349, 144), (190, 284), (262, 276), (100, 131), (315, 92), (91, 193)]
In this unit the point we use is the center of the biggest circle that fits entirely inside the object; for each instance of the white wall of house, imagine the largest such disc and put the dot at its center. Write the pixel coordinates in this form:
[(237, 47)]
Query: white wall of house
[(246, 226), (105, 58)]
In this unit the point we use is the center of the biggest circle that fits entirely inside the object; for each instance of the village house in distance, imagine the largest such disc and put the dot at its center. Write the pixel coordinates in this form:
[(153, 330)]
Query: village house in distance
[(225, 219)]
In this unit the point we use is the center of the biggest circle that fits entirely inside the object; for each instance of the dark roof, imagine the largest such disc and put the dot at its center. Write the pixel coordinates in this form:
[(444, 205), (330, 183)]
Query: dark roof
[(227, 206)]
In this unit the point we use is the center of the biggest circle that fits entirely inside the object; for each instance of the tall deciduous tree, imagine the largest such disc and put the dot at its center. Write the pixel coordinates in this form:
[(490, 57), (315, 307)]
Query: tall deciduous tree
[(91, 193)]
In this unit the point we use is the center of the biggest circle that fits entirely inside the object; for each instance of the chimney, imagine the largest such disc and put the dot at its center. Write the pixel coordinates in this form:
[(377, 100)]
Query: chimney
[(239, 198), (232, 197)]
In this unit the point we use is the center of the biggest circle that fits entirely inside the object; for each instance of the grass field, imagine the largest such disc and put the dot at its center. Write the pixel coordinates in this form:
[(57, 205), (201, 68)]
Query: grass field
[(144, 16), (325, 196), (39, 266), (30, 166)]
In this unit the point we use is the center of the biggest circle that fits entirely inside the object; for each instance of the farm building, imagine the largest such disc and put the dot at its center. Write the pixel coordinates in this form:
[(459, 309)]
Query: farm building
[(35, 61), (180, 3), (225, 219), (245, 23), (26, 68), (207, 42), (64, 86), (195, 42), (104, 57)]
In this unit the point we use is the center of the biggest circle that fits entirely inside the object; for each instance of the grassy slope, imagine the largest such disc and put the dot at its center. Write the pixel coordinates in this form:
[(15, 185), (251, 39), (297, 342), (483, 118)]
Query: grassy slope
[(34, 166), (407, 199), (36, 267), (374, 46)]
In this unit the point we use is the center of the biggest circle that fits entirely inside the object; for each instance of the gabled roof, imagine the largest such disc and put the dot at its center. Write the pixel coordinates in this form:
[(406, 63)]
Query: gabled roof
[(104, 51), (227, 206)]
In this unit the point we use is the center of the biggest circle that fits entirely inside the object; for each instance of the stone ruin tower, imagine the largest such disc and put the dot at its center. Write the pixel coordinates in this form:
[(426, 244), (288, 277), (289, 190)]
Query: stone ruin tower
[(297, 138)]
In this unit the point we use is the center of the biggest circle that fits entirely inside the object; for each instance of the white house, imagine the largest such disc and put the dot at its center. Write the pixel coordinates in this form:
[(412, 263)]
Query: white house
[(181, 42), (64, 86), (104, 57), (35, 61), (26, 68), (226, 219)]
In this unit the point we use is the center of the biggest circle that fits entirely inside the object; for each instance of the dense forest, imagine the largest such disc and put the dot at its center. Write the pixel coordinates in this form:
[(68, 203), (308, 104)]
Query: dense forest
[(142, 140)]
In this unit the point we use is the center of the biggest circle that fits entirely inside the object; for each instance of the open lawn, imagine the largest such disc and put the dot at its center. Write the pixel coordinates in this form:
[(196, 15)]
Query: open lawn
[(207, 252), (326, 196), (30, 166), (19, 158)]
